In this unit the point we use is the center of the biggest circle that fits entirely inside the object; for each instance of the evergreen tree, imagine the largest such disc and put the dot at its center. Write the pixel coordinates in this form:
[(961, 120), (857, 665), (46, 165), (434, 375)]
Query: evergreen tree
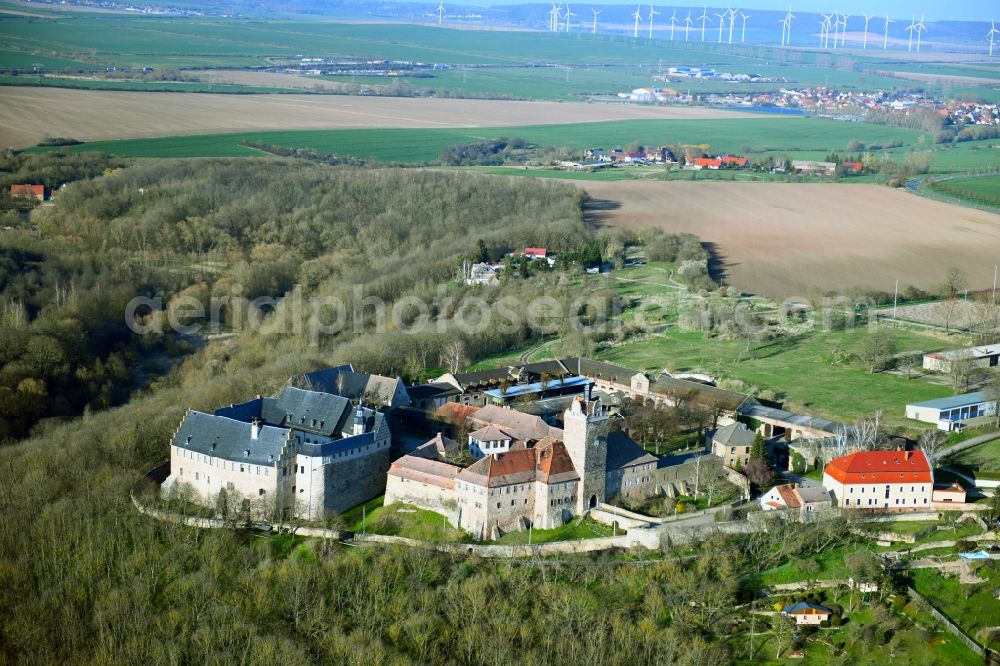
[(758, 450)]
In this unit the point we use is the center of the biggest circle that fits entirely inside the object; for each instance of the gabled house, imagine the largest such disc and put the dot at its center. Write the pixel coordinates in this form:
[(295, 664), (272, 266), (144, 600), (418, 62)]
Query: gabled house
[(37, 192), (810, 499), (732, 443), (807, 613), (881, 480), (359, 387)]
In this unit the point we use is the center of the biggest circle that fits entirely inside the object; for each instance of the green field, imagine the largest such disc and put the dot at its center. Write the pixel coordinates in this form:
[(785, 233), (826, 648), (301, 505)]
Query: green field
[(790, 367), (417, 146)]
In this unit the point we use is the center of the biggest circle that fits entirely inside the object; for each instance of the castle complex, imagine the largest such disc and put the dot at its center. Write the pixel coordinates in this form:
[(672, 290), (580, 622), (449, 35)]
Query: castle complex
[(542, 482)]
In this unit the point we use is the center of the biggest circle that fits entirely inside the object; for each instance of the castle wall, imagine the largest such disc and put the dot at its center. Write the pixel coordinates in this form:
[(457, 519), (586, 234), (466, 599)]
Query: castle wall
[(424, 495), (325, 485), (207, 475)]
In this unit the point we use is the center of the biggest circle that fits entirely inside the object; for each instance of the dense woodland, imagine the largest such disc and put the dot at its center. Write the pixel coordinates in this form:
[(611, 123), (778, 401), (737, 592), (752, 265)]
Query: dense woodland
[(244, 230)]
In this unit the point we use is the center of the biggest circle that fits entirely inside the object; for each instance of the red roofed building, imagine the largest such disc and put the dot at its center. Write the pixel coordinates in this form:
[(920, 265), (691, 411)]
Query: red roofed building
[(733, 161), (881, 480), (852, 168), (28, 191), (707, 163), (536, 252)]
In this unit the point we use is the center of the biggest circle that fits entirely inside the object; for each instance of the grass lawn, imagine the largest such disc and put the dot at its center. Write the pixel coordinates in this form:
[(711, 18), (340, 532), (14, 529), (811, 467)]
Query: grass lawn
[(971, 607), (799, 369), (402, 520), (984, 457), (571, 531)]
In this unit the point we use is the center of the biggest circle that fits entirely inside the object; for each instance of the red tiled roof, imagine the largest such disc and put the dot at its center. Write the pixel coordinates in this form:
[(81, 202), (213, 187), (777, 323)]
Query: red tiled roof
[(707, 162), (30, 190), (540, 251), (881, 467), (426, 471), (787, 493), (554, 462), (733, 159), (455, 413)]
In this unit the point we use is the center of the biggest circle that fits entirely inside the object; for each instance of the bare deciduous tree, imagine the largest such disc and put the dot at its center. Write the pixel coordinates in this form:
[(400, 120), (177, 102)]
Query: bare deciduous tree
[(453, 356)]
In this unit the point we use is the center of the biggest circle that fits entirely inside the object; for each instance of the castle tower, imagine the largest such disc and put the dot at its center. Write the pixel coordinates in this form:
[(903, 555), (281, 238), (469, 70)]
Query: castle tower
[(585, 434)]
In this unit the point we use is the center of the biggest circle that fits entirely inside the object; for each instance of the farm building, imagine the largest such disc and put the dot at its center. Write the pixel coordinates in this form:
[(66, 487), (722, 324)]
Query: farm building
[(953, 412), (881, 480), (809, 167), (983, 356)]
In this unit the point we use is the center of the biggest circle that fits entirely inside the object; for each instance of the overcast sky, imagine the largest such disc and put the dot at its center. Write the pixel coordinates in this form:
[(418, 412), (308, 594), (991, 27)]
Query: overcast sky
[(936, 10)]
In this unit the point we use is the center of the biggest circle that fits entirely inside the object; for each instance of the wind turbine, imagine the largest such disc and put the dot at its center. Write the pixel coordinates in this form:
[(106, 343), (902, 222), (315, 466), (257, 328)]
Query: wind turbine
[(743, 34), (843, 28), (722, 24), (885, 39), (989, 35), (688, 23), (910, 28), (652, 13), (703, 18), (673, 22), (864, 44), (732, 22), (824, 30), (638, 17), (568, 14), (920, 28), (784, 27), (594, 27), (440, 11), (554, 18), (788, 27)]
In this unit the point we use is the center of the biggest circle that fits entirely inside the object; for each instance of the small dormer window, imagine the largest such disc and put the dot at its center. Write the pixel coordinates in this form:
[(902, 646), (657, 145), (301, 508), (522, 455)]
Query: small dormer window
[(246, 453), (213, 446)]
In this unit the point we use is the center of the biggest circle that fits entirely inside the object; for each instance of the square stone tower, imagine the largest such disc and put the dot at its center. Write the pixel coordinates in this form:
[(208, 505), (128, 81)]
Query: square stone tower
[(585, 434)]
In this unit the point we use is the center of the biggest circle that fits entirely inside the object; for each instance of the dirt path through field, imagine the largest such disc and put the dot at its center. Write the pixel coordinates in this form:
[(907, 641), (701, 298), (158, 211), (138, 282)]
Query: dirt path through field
[(29, 114), (780, 239)]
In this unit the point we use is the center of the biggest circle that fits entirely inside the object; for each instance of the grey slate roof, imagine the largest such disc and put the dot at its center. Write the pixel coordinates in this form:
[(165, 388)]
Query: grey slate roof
[(734, 434), (322, 380), (310, 411), (623, 452), (344, 381), (755, 410), (431, 390), (229, 439)]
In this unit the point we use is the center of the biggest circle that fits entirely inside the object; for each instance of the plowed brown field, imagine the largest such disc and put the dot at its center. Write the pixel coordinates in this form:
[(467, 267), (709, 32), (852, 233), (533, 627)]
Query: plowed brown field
[(29, 114), (780, 239)]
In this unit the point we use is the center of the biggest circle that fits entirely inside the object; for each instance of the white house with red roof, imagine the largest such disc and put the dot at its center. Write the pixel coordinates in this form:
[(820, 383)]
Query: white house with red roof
[(881, 480)]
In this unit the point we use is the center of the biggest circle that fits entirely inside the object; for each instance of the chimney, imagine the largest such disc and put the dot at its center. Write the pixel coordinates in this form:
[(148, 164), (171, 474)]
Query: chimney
[(254, 428), (586, 392)]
